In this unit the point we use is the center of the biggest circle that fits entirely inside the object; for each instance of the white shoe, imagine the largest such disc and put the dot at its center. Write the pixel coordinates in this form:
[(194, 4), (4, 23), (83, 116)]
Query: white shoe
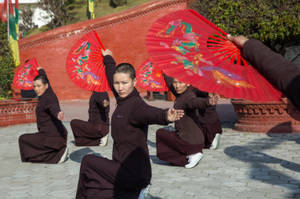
[(103, 141), (193, 160), (216, 142), (64, 157), (144, 192)]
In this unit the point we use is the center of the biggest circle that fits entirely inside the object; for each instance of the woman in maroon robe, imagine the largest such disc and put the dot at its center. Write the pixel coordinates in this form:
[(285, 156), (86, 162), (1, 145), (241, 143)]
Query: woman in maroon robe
[(49, 145), (90, 133), (183, 147), (284, 75), (129, 172)]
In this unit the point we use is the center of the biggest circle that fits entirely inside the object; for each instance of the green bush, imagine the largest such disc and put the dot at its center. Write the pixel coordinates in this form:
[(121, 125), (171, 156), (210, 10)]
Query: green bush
[(7, 64), (271, 21)]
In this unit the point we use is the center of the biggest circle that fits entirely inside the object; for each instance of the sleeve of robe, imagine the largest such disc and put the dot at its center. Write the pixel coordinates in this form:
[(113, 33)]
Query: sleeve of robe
[(145, 114), (100, 100), (284, 75), (53, 105), (103, 96), (110, 68), (196, 102), (199, 93)]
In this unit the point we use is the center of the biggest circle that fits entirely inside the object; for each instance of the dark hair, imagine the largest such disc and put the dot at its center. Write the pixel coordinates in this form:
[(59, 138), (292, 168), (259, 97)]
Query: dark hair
[(126, 68), (43, 78)]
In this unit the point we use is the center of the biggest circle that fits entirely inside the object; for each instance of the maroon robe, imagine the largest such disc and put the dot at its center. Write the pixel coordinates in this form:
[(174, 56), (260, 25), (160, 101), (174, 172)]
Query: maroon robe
[(284, 75), (49, 144), (174, 147), (89, 133), (208, 120), (130, 170), (206, 117)]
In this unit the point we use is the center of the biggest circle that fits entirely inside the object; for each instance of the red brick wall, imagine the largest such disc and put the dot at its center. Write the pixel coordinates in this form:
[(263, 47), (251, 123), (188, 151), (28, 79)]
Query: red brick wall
[(123, 33), (17, 112)]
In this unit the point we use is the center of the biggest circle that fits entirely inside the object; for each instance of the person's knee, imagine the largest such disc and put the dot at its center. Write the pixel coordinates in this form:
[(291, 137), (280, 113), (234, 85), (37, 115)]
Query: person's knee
[(161, 133), (87, 159), (73, 123), (21, 139)]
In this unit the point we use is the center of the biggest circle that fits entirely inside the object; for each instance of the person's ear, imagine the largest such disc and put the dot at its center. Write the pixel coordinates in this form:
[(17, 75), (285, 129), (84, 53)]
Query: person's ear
[(134, 81), (47, 85)]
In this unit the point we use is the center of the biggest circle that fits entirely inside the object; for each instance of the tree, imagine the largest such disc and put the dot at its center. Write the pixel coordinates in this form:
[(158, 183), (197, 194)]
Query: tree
[(26, 15), (117, 3), (7, 64), (57, 10), (271, 21)]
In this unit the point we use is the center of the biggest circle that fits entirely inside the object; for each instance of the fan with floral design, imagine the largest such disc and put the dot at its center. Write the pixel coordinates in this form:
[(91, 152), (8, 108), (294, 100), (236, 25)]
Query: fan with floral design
[(25, 74), (187, 46), (150, 77), (84, 64)]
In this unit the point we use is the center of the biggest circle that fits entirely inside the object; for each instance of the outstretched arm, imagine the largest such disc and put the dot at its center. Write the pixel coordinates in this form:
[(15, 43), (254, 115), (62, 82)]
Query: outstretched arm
[(283, 74), (145, 114)]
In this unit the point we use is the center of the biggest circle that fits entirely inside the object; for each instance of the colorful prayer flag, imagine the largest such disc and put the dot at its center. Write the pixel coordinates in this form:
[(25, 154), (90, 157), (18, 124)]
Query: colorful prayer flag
[(91, 8), (13, 41)]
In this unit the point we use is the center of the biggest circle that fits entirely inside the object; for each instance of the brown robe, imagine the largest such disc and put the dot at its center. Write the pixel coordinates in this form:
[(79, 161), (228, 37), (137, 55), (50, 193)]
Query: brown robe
[(173, 147), (208, 120), (205, 117), (89, 133), (130, 170), (49, 144), (284, 75)]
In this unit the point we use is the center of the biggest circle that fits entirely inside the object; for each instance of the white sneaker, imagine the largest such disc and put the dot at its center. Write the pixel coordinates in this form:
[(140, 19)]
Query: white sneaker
[(216, 142), (64, 157), (193, 160), (103, 141), (144, 192)]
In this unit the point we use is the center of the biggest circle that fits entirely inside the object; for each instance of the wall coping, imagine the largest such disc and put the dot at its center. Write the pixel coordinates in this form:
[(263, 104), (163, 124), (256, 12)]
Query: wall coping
[(98, 23)]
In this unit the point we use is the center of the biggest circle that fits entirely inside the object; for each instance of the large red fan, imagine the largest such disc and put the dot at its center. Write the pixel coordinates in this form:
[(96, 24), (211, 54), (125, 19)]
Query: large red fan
[(84, 64), (188, 47), (25, 74), (150, 78)]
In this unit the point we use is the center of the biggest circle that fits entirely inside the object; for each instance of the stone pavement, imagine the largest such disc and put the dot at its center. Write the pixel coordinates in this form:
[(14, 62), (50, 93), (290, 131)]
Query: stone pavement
[(247, 165)]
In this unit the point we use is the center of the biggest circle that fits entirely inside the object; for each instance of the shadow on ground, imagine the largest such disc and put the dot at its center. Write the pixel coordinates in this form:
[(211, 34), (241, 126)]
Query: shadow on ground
[(253, 153), (77, 156)]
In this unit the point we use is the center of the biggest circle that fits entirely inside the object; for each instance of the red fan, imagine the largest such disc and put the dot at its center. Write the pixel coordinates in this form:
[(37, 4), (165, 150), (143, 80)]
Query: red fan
[(188, 47), (84, 64), (25, 74), (150, 78)]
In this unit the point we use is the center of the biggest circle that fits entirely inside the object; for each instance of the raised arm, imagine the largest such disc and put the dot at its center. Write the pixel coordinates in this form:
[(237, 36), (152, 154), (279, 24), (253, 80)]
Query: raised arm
[(110, 68)]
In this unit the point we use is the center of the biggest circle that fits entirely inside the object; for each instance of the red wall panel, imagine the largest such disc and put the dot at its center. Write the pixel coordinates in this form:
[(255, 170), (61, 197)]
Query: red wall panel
[(123, 33)]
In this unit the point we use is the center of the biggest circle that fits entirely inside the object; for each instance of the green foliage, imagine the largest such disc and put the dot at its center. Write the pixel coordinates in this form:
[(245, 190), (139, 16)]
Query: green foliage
[(116, 3), (6, 64), (271, 21)]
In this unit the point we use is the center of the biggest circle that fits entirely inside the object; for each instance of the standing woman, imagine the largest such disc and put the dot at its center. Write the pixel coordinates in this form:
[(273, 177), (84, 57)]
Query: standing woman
[(183, 147), (49, 145), (90, 133), (129, 172)]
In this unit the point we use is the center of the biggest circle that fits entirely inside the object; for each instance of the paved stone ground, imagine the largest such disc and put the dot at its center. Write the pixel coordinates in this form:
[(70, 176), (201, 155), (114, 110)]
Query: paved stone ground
[(247, 165)]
